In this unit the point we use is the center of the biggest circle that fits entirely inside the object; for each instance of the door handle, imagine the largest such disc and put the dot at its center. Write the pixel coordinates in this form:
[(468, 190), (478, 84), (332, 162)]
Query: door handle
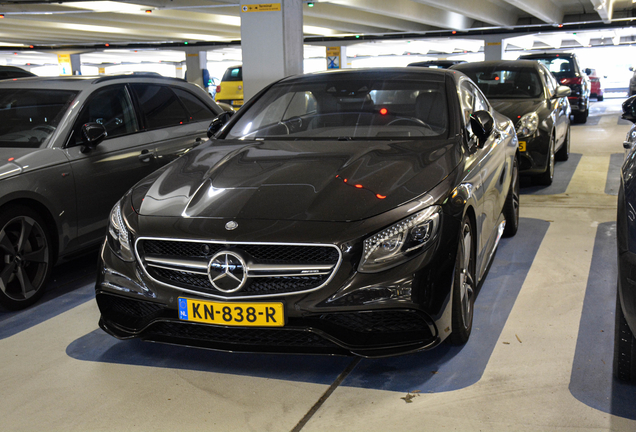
[(146, 156)]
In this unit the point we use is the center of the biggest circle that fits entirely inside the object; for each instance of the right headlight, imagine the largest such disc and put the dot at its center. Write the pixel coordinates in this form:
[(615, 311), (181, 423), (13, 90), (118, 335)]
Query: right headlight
[(119, 238), (528, 124), (400, 241)]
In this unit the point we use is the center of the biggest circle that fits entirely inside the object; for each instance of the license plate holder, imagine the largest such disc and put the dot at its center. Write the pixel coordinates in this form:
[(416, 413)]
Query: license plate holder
[(236, 314)]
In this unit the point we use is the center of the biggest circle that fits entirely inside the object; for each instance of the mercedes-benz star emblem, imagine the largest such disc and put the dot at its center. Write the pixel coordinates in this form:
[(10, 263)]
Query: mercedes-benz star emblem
[(231, 225), (227, 272)]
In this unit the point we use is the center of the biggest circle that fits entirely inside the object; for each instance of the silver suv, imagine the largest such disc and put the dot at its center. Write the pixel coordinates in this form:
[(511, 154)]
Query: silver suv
[(70, 147)]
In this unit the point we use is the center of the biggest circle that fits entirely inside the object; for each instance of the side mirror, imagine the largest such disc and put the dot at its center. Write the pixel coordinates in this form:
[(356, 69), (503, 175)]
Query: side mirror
[(92, 134), (629, 109), (563, 91), (482, 123), (588, 71), (218, 122), (631, 69)]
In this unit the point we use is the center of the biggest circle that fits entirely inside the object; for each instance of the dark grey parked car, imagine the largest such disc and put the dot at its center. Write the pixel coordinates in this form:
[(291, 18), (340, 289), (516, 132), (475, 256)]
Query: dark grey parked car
[(69, 148)]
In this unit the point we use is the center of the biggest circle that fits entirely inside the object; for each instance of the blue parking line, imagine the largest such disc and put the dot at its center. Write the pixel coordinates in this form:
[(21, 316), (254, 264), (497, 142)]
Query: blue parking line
[(563, 172), (592, 381), (443, 369), (614, 174)]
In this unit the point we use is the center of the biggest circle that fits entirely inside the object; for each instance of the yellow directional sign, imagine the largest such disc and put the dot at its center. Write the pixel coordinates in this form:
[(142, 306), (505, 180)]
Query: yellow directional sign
[(263, 7)]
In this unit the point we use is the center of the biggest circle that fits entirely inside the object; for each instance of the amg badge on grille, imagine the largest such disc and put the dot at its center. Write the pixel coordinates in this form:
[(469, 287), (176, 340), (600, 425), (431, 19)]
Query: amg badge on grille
[(231, 225)]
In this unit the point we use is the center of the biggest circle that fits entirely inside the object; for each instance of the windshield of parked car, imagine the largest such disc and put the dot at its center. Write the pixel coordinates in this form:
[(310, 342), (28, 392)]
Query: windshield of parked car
[(346, 109), (559, 66), (517, 83), (29, 116)]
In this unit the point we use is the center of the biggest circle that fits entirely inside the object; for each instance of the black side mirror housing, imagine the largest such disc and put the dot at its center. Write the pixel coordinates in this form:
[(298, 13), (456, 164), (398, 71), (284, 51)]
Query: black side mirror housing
[(218, 122), (92, 134), (629, 109), (482, 124), (588, 71)]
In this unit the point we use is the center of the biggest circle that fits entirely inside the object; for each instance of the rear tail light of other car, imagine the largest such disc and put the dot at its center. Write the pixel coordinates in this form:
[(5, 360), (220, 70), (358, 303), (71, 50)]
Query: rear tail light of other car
[(400, 241), (218, 89), (572, 81)]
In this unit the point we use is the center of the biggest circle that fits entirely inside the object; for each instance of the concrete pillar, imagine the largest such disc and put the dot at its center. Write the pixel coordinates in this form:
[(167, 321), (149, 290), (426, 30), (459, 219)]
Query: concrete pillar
[(196, 61), (337, 57), (493, 47), (76, 64), (180, 70), (271, 42)]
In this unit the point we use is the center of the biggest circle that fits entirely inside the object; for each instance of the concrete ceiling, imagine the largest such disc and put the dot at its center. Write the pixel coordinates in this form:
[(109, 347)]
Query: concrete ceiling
[(97, 23)]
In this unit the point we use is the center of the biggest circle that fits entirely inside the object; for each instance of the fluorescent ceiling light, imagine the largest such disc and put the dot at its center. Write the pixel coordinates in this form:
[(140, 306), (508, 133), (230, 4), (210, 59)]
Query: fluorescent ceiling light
[(323, 31), (108, 6)]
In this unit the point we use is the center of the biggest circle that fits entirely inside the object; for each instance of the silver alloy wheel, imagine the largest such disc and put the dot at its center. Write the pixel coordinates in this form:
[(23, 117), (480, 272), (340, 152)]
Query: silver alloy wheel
[(515, 189), (466, 282), (24, 254)]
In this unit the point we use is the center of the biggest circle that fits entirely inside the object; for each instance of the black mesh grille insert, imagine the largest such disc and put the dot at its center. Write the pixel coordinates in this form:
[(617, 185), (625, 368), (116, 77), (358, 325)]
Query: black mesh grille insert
[(254, 286), (270, 254), (379, 321), (130, 313), (239, 336)]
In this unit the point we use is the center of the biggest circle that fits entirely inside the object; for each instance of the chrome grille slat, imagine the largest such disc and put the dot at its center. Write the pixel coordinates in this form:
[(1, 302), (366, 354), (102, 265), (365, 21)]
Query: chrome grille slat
[(271, 268)]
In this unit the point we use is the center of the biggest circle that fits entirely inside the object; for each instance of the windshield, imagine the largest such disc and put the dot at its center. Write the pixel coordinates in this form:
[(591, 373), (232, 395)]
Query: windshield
[(347, 109), (507, 83), (560, 67), (28, 117)]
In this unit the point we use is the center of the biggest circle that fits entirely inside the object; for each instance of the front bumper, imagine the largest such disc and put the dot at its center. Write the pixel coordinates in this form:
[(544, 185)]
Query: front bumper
[(400, 310), (534, 160)]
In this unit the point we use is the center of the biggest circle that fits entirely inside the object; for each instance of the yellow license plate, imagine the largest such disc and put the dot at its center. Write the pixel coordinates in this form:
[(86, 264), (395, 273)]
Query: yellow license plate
[(232, 314), (522, 146), (237, 103)]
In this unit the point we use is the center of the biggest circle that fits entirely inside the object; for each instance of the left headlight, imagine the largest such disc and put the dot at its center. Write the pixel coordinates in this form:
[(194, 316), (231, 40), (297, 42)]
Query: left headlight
[(400, 241), (119, 238), (528, 124)]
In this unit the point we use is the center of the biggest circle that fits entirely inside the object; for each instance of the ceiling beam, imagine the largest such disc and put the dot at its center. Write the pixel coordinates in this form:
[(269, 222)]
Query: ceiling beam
[(337, 13), (481, 10), (410, 11), (545, 10), (605, 9)]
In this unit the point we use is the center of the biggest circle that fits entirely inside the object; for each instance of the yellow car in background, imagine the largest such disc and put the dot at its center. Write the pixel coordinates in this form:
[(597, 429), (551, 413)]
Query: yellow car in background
[(230, 91)]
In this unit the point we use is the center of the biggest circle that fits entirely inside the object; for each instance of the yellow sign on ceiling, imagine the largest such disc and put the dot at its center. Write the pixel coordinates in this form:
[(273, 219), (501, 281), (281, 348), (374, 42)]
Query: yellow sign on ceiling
[(263, 7)]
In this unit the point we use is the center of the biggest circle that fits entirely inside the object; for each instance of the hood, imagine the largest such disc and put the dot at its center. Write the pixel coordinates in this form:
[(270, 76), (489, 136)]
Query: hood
[(296, 180), (515, 108)]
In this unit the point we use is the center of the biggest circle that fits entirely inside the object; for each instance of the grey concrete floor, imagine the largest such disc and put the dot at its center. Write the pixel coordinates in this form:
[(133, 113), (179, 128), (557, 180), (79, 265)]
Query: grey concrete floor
[(546, 371)]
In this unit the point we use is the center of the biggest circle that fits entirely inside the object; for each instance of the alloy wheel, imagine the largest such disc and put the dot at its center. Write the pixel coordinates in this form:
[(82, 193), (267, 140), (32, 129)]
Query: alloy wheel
[(466, 282)]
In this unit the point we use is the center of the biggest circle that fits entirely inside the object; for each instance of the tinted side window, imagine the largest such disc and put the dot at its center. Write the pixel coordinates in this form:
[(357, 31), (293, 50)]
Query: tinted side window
[(198, 110), (111, 107), (160, 106)]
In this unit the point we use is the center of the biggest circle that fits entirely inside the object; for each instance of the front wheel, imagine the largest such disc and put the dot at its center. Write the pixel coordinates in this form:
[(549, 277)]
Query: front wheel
[(511, 206), (464, 286), (25, 257), (624, 347), (547, 177), (564, 152)]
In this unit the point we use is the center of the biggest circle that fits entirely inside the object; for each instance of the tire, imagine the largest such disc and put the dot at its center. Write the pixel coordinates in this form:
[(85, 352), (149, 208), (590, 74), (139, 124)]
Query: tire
[(581, 117), (546, 178), (624, 348), (599, 99), (26, 257), (464, 286), (564, 152), (511, 206)]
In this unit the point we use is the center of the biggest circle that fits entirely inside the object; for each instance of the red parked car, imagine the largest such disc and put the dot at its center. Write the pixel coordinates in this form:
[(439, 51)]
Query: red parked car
[(595, 84)]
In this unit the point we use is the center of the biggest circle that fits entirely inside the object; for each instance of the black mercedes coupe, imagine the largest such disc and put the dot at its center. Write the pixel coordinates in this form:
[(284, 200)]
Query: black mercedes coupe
[(526, 92), (339, 212)]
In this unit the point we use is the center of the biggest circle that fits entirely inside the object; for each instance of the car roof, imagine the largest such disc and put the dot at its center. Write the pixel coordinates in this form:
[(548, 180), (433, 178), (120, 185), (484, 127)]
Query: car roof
[(511, 64), (547, 55), (80, 82), (375, 73)]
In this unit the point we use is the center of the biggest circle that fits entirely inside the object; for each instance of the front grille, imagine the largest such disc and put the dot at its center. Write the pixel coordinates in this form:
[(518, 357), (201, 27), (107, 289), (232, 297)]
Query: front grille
[(238, 336), (270, 269)]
